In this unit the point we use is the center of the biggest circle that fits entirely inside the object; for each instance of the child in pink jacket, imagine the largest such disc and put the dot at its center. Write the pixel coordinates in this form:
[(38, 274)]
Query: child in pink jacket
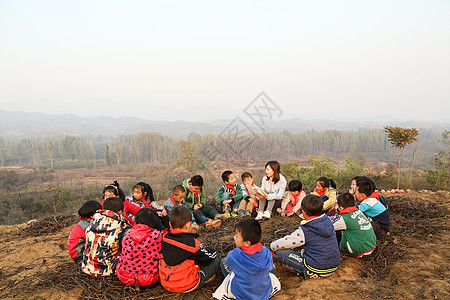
[(141, 247)]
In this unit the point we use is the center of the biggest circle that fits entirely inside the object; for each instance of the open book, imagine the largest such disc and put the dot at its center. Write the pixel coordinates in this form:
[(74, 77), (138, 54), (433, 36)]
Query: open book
[(259, 191)]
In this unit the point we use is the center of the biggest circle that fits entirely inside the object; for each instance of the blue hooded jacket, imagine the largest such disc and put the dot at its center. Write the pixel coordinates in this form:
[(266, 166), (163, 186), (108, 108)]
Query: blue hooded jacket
[(252, 280)]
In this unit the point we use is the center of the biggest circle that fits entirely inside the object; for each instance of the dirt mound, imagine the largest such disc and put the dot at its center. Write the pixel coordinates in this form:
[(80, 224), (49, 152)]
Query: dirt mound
[(412, 263)]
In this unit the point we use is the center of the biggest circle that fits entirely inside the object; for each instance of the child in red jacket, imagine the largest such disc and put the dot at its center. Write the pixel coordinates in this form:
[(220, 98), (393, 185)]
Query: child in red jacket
[(77, 236), (184, 265), (141, 247)]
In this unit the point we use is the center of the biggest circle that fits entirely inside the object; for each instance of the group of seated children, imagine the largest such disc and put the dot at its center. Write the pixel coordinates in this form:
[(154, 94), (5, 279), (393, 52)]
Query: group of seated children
[(143, 242)]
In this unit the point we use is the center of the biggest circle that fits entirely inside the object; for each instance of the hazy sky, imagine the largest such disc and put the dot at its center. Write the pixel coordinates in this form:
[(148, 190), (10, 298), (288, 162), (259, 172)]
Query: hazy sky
[(199, 60)]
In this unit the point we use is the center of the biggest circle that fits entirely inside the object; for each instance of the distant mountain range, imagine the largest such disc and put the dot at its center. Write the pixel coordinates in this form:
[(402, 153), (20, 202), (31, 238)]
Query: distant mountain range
[(24, 124)]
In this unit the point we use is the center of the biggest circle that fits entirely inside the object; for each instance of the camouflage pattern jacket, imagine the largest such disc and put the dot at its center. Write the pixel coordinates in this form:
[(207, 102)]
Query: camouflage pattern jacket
[(103, 243)]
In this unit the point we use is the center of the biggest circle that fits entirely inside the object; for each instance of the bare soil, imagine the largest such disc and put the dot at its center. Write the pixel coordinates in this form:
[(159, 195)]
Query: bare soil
[(413, 263)]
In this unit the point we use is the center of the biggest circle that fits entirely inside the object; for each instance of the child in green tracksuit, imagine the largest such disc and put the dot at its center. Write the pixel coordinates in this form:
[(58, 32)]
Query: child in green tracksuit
[(229, 195), (357, 235), (196, 199)]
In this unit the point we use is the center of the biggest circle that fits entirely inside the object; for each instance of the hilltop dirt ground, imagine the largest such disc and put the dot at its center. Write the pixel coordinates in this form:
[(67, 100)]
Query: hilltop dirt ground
[(411, 264)]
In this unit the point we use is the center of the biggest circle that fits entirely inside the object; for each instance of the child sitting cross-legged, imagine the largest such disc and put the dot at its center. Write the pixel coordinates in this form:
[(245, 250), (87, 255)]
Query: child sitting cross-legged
[(357, 237), (77, 236), (103, 239), (141, 247), (184, 265), (229, 195), (319, 256), (292, 201), (248, 269)]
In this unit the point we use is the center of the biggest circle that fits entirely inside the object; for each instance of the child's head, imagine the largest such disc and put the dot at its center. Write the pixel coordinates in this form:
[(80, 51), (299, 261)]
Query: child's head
[(115, 204), (196, 183), (228, 177), (142, 190), (362, 178), (353, 186), (363, 189), (295, 187), (346, 200), (248, 232), (147, 217), (273, 170), (323, 183), (247, 178), (312, 205), (179, 193), (88, 209), (113, 190), (180, 218)]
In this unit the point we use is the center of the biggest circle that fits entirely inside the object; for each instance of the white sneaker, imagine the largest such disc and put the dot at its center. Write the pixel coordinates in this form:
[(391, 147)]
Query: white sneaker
[(267, 214), (259, 216)]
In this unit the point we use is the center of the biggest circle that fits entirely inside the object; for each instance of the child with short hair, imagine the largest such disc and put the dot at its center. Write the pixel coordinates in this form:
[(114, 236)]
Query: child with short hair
[(373, 208), (326, 189), (373, 188), (249, 201), (196, 198), (142, 196), (357, 235), (320, 255), (77, 236), (141, 247), (229, 195), (248, 269), (177, 199), (292, 201), (184, 265), (103, 239), (114, 190)]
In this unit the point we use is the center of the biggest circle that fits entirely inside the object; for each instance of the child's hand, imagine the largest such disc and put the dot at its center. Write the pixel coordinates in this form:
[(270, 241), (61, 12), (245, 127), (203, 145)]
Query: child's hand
[(226, 202), (259, 196), (289, 214), (197, 206), (162, 213), (253, 201), (283, 214)]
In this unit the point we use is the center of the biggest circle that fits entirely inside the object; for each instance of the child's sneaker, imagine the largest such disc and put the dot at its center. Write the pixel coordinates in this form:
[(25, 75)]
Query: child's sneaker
[(233, 214), (267, 214), (241, 213), (212, 224), (259, 216), (248, 213), (223, 216)]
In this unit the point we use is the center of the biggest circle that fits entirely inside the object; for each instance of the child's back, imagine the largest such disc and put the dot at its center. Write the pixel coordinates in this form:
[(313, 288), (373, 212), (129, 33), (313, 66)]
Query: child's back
[(320, 255), (321, 248), (251, 280), (184, 265), (103, 237), (141, 246), (77, 237)]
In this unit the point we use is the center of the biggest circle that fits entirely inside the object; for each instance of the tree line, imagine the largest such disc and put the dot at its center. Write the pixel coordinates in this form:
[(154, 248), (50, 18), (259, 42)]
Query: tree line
[(151, 147)]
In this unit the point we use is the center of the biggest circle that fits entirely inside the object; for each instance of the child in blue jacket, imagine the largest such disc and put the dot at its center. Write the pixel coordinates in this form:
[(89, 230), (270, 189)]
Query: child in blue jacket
[(248, 268), (319, 256)]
